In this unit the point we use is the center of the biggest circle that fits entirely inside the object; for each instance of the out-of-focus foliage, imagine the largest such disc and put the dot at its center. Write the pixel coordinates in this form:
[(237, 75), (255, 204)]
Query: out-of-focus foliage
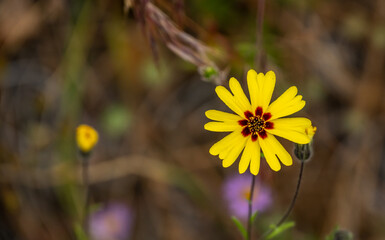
[(63, 63)]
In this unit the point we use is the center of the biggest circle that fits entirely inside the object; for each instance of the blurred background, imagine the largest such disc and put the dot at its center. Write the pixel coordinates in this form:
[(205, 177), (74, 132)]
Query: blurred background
[(143, 76)]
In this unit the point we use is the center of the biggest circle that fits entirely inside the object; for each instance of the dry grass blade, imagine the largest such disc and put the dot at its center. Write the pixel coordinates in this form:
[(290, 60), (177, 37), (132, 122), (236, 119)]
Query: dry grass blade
[(156, 23)]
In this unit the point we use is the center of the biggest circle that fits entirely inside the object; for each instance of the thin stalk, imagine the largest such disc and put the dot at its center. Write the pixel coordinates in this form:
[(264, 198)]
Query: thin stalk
[(259, 36), (86, 192), (295, 196), (250, 210), (288, 211)]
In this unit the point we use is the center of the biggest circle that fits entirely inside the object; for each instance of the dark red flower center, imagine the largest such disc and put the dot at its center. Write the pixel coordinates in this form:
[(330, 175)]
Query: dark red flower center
[(255, 124)]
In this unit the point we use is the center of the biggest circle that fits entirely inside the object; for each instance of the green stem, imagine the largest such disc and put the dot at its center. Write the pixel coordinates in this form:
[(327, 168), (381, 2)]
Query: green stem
[(86, 193), (250, 210), (288, 211)]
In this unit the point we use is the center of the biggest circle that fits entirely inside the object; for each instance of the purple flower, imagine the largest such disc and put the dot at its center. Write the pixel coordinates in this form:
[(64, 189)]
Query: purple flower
[(112, 222), (236, 190)]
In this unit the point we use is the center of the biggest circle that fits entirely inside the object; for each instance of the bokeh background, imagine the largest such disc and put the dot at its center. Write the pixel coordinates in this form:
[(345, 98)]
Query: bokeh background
[(143, 76)]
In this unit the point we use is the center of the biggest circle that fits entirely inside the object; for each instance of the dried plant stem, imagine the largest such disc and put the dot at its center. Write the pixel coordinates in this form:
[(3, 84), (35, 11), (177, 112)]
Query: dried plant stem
[(288, 211), (86, 193), (250, 210)]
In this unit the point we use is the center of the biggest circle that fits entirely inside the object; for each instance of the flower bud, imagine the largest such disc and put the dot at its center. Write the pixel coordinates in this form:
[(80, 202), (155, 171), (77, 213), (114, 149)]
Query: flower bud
[(86, 138), (343, 235), (209, 73), (304, 151)]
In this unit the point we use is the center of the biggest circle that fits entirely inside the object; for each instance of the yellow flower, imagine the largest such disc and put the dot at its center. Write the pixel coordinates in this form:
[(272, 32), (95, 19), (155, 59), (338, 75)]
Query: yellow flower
[(86, 137), (255, 123), (310, 131)]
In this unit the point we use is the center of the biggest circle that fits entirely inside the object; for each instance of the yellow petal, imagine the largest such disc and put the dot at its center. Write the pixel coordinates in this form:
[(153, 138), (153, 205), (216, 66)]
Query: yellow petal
[(224, 143), (229, 100), (266, 84), (234, 153), (246, 157), (279, 151), (221, 116), (269, 153), (310, 131), (253, 87), (294, 106), (267, 90), (239, 95), (293, 129), (297, 123), (255, 158), (222, 126), (288, 95), (288, 103), (292, 135), (225, 152), (261, 85)]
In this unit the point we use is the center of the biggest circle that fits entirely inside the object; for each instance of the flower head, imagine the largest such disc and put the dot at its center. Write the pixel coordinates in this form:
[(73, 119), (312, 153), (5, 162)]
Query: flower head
[(255, 123), (236, 190), (86, 137), (113, 222)]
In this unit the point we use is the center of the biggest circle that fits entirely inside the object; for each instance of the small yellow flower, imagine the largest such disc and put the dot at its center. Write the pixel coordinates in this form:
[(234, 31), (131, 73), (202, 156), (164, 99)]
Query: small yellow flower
[(310, 131), (255, 123), (86, 137)]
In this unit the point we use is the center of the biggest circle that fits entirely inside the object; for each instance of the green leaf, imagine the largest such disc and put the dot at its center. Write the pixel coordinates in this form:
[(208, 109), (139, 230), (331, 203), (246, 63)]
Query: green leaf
[(240, 227), (253, 217), (280, 229), (79, 232)]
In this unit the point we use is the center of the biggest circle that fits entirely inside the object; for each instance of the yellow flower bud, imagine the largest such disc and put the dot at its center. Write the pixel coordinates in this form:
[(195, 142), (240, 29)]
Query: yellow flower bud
[(86, 137)]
